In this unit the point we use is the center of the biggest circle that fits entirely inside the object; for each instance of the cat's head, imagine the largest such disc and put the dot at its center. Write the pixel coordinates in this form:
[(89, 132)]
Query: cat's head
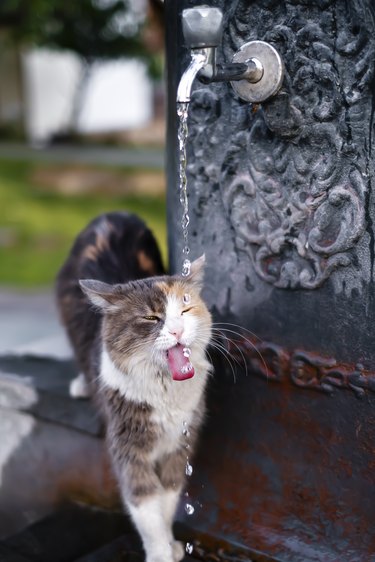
[(156, 321)]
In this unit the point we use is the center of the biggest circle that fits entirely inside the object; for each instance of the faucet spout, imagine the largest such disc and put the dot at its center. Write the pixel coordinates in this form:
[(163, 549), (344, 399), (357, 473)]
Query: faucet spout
[(256, 71), (199, 59)]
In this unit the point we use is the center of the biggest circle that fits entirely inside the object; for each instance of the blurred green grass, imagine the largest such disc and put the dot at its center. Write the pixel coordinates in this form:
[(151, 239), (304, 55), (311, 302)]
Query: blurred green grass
[(37, 227)]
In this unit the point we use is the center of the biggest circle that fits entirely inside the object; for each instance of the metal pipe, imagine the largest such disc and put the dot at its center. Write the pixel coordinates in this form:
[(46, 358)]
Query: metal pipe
[(199, 59)]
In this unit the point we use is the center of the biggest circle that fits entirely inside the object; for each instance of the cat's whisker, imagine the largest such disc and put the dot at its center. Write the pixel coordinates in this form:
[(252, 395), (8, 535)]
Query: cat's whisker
[(228, 358), (241, 328), (221, 330), (209, 355), (239, 350), (223, 351)]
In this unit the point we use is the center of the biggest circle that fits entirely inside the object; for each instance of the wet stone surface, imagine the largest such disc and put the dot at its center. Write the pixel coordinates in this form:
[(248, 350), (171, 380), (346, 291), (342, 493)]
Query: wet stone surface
[(47, 439), (40, 386), (79, 534)]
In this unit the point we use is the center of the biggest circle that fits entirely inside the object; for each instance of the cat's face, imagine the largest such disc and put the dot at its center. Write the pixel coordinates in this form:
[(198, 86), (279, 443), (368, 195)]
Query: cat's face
[(160, 321)]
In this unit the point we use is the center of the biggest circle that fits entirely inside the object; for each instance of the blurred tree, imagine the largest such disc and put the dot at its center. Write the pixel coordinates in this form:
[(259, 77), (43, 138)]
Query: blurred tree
[(93, 29)]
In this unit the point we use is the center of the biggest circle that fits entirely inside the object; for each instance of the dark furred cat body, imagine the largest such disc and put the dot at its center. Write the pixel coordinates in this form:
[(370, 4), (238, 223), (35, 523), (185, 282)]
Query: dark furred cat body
[(142, 350), (114, 248)]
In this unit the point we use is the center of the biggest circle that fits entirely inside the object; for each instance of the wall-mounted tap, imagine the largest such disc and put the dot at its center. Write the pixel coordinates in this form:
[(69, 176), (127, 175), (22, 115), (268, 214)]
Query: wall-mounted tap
[(256, 71)]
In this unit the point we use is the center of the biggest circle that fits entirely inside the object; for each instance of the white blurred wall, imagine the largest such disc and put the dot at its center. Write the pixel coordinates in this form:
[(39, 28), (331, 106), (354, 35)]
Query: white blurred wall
[(50, 80), (118, 95)]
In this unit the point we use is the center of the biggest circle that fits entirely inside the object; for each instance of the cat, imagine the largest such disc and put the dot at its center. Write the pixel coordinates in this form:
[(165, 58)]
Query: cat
[(140, 340)]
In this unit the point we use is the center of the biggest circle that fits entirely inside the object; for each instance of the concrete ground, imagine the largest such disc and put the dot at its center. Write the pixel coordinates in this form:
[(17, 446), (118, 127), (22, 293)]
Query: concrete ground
[(29, 325)]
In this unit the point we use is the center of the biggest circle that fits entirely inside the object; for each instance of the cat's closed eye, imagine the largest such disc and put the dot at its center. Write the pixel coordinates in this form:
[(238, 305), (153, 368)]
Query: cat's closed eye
[(187, 310), (152, 318)]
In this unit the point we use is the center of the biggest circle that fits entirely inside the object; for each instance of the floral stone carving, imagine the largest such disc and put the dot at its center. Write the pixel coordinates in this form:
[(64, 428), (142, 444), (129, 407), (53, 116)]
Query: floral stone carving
[(293, 175)]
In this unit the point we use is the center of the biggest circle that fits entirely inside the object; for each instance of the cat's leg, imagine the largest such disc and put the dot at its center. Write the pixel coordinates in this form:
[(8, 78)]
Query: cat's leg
[(170, 500), (79, 387), (171, 471), (143, 497), (149, 520)]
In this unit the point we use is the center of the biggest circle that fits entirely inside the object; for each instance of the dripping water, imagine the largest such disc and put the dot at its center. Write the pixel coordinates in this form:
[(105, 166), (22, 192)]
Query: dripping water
[(185, 430), (189, 508), (182, 112)]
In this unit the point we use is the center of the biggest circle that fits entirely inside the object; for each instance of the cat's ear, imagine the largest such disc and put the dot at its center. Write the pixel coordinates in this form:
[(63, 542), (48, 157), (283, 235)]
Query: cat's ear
[(102, 295), (196, 276)]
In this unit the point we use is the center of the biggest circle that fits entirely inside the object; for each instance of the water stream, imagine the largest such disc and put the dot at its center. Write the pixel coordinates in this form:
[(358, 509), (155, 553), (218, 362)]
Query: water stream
[(182, 112), (189, 509)]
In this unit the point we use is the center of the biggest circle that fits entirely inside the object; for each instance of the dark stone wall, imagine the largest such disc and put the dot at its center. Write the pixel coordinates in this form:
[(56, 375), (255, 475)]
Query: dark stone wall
[(281, 195), (281, 202)]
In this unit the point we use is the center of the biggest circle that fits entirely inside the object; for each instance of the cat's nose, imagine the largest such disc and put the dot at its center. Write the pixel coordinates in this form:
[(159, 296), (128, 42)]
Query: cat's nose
[(176, 332), (175, 328)]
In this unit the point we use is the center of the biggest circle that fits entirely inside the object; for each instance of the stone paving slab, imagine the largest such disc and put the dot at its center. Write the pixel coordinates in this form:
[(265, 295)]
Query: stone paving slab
[(68, 534), (51, 445), (120, 550), (40, 386), (77, 533), (29, 324), (8, 555), (43, 464)]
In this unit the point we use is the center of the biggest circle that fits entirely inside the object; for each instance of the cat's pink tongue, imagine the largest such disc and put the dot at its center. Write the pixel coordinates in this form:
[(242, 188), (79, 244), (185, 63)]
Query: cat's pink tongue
[(179, 364)]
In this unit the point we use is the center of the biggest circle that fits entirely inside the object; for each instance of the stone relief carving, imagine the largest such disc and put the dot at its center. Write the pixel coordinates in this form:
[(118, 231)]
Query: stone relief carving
[(301, 368), (293, 175)]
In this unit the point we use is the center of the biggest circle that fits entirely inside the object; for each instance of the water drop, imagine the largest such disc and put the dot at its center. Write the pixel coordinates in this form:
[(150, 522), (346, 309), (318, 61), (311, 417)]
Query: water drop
[(188, 469), (186, 351), (185, 429), (189, 548), (186, 268), (189, 509), (185, 221), (186, 368), (186, 298)]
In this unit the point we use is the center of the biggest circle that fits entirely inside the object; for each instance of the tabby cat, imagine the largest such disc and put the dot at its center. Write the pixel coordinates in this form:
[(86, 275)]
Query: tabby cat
[(139, 338)]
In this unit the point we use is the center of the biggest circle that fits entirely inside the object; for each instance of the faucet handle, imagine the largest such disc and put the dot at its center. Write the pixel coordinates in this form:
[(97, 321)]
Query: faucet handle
[(202, 27)]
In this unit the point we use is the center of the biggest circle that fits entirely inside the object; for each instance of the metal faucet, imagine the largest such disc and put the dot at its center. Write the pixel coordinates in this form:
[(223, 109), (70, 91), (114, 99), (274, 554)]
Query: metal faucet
[(256, 72)]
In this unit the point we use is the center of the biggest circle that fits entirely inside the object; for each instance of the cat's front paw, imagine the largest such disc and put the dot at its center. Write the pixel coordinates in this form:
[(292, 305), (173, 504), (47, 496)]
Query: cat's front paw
[(178, 551), (79, 388)]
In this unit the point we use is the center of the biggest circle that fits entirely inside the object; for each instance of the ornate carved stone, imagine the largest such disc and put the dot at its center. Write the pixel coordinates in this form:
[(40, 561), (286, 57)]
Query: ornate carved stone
[(304, 369), (293, 175), (281, 200)]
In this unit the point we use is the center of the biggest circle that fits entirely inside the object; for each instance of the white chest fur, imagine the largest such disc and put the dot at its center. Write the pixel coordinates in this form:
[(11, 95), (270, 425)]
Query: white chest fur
[(173, 402)]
